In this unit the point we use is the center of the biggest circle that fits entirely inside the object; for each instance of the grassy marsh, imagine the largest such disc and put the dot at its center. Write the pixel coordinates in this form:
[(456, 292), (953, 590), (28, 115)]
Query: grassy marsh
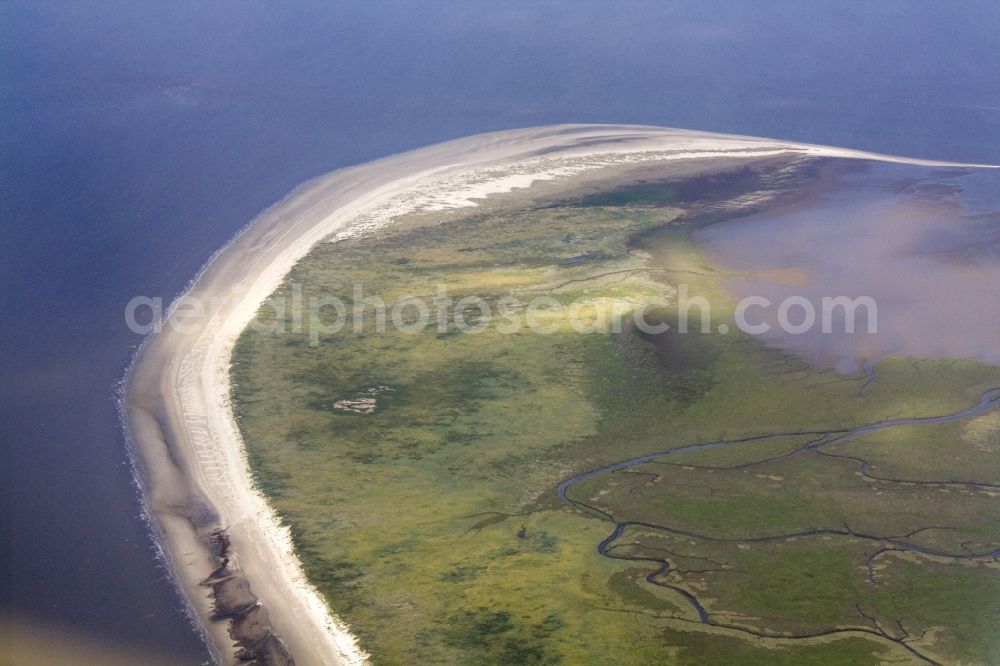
[(432, 523)]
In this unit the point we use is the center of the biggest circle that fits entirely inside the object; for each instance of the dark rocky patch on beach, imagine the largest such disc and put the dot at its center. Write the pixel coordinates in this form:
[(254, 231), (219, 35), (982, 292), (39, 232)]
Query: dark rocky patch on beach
[(250, 627)]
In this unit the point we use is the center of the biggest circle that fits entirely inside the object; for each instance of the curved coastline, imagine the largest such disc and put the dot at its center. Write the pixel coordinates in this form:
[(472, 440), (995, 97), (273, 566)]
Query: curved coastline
[(217, 531)]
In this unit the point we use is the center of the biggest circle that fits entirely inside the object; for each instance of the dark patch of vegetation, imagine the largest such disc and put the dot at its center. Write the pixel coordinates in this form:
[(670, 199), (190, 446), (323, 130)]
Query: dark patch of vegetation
[(495, 637), (459, 574)]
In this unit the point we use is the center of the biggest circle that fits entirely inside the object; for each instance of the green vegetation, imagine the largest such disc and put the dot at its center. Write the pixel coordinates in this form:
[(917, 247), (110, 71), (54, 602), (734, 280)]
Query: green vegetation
[(783, 497), (433, 526), (961, 450)]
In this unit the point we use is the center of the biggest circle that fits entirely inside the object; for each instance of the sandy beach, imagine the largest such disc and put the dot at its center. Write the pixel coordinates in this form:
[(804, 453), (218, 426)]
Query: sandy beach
[(190, 458)]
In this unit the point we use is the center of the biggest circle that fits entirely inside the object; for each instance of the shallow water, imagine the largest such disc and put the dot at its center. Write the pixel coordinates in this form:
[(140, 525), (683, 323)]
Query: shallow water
[(903, 236)]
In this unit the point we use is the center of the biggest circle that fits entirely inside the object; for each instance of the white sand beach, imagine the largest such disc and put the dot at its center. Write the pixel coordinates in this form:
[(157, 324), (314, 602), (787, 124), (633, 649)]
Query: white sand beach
[(193, 466)]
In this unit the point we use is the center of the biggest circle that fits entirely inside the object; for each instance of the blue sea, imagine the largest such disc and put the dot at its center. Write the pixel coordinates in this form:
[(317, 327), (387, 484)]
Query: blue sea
[(136, 137)]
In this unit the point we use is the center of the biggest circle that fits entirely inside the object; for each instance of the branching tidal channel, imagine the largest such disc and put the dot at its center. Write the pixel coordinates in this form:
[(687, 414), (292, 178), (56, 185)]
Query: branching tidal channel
[(898, 635)]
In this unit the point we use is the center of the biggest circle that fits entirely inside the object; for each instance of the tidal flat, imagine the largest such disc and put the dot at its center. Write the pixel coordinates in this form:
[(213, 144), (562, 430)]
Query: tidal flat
[(903, 236), (514, 497)]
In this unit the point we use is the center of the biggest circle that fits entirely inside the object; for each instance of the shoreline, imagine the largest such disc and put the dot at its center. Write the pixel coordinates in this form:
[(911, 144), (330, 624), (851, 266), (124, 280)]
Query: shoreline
[(224, 545)]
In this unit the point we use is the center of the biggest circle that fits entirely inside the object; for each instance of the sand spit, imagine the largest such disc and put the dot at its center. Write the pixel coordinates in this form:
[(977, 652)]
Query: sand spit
[(226, 546)]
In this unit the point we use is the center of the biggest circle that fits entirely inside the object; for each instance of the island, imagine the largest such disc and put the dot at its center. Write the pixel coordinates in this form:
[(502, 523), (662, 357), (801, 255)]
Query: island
[(490, 402)]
